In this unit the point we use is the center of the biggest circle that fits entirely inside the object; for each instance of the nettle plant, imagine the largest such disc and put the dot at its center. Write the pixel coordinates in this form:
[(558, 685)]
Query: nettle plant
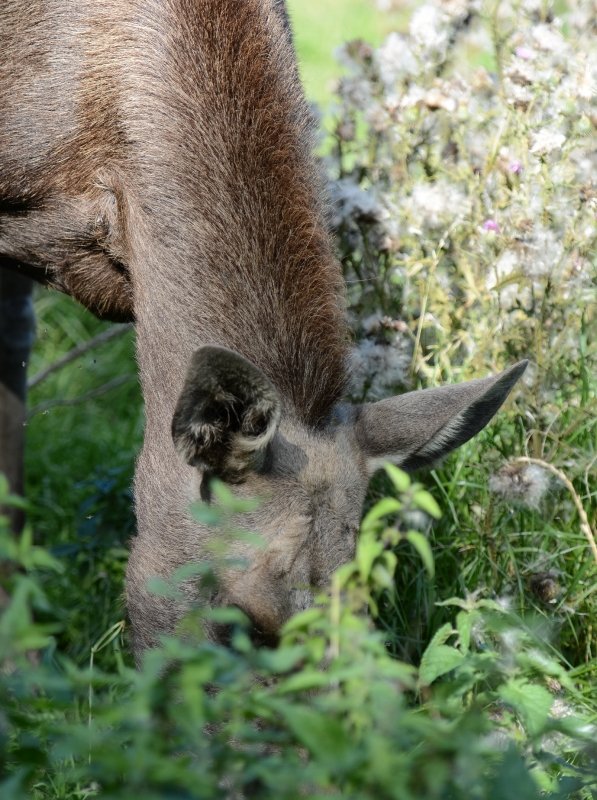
[(463, 162), (327, 712)]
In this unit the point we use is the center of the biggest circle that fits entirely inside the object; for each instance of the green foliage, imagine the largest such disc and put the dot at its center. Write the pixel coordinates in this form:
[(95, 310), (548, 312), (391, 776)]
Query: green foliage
[(328, 711)]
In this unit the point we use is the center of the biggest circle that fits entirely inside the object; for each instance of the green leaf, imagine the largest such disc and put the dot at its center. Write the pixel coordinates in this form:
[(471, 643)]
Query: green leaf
[(464, 624), (513, 780), (399, 478), (322, 736), (421, 545), (428, 503), (367, 551), (438, 658), (281, 660), (437, 661), (207, 515), (388, 505), (383, 577), (305, 680), (530, 701), (226, 615), (442, 635), (304, 619)]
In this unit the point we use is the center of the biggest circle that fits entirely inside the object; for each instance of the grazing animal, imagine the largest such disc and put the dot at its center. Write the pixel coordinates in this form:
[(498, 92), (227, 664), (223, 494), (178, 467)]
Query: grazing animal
[(156, 163)]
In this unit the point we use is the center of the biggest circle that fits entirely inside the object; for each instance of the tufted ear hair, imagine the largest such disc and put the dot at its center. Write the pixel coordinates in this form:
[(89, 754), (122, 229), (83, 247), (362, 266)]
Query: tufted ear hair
[(226, 414), (415, 429)]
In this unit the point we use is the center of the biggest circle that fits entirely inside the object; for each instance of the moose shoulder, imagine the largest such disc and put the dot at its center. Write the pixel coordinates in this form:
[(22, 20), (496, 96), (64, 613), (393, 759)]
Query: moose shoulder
[(156, 163)]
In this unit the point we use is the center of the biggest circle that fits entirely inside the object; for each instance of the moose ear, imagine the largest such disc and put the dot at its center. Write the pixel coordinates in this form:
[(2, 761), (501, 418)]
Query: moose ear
[(415, 429), (226, 414)]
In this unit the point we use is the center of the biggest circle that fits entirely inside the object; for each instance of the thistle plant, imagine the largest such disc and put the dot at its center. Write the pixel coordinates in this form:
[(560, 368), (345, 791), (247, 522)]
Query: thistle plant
[(463, 163)]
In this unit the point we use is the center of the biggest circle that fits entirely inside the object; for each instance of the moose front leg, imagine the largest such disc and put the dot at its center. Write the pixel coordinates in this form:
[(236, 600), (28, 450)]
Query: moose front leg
[(17, 326)]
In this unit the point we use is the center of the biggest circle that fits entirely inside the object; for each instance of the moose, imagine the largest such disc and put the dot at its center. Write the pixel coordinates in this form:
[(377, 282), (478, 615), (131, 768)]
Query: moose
[(156, 164)]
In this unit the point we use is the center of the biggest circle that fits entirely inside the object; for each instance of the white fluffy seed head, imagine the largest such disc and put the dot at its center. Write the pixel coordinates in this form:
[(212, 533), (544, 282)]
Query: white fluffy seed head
[(521, 484)]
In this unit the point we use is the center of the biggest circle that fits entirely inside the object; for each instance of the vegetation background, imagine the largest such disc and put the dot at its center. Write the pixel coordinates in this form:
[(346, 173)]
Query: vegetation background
[(438, 209)]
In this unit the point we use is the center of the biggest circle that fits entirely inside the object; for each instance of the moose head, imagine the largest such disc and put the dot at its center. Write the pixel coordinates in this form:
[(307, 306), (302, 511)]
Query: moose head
[(230, 422)]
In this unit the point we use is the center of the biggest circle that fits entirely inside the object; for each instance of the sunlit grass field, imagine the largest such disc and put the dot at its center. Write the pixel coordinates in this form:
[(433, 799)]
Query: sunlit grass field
[(320, 27)]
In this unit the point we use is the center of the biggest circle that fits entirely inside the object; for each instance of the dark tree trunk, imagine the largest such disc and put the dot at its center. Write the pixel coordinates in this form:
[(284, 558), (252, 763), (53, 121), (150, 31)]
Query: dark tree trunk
[(17, 330)]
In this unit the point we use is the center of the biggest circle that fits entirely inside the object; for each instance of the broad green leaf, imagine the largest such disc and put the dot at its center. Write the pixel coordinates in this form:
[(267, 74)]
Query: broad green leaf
[(421, 545), (207, 515), (442, 635), (367, 551), (303, 681), (383, 574), (536, 660), (532, 702), (464, 624), (226, 615), (322, 736), (512, 780), (428, 503), (399, 478), (455, 601), (281, 660), (388, 505), (436, 661), (303, 619)]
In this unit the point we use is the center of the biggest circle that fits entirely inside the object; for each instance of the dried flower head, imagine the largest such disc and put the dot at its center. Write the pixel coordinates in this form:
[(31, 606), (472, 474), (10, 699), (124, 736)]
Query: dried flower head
[(544, 585), (546, 141), (523, 484)]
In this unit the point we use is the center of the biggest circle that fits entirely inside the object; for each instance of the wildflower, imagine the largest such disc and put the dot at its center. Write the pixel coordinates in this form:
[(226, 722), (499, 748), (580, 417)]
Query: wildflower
[(379, 367), (428, 31), (491, 225), (546, 141), (352, 201), (356, 91), (438, 202), (541, 253), (395, 60), (585, 85), (525, 53), (547, 38), (515, 167), (522, 74), (522, 484)]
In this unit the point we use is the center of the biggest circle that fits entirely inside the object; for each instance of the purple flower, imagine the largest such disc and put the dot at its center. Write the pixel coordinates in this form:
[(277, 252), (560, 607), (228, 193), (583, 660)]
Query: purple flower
[(515, 167), (524, 52), (491, 225)]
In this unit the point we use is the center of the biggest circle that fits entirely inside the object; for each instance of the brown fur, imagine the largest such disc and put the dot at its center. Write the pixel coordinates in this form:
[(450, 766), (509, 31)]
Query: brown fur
[(156, 163)]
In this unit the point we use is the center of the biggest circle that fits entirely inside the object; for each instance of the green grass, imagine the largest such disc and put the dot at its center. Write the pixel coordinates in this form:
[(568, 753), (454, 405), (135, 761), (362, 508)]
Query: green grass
[(320, 26), (79, 467)]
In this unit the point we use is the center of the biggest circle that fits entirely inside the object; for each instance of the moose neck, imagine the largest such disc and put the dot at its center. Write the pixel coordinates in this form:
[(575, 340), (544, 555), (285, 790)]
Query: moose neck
[(229, 243)]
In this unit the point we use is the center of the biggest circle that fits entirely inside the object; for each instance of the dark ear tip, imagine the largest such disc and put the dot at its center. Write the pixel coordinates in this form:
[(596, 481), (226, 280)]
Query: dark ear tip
[(515, 372)]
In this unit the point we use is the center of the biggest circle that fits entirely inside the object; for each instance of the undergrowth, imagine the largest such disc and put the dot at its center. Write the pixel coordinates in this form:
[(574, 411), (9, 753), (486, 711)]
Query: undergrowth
[(328, 711)]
